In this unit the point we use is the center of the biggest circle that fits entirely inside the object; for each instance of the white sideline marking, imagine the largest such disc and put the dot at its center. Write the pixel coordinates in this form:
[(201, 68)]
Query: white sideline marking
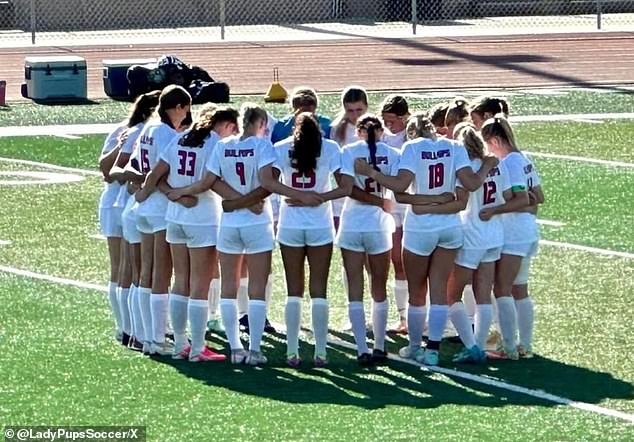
[(546, 222), (69, 137), (583, 120), (5, 243), (50, 166), (452, 373), (42, 277), (98, 236), (70, 130), (581, 159), (38, 178), (570, 117), (59, 130), (565, 245), (503, 385)]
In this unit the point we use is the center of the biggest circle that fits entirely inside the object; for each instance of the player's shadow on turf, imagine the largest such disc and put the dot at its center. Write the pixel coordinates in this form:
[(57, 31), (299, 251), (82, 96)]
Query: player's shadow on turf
[(566, 380), (343, 382)]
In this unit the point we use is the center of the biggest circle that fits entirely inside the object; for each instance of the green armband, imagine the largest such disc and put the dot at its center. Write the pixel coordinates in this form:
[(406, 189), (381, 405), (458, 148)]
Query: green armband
[(517, 189)]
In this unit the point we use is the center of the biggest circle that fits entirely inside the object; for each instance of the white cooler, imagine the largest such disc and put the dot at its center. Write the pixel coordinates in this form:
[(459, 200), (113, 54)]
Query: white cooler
[(55, 78)]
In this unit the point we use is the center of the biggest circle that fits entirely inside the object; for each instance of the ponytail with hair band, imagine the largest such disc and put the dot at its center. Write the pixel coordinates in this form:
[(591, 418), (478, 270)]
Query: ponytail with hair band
[(371, 130)]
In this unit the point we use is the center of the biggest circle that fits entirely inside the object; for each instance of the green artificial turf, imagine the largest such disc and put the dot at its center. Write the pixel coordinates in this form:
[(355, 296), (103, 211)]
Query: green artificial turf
[(60, 365)]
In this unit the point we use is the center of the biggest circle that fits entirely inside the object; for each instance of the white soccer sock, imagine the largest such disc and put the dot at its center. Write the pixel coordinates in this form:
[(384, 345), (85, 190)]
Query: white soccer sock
[(257, 315), (293, 317), (379, 323), (197, 312), (437, 321), (320, 324), (507, 317), (525, 320), (229, 313), (159, 306), (268, 294), (214, 297), (126, 321), (243, 297), (132, 310), (483, 319), (113, 288), (401, 296), (178, 314), (458, 316), (145, 295), (135, 299), (356, 314), (416, 316), (469, 302)]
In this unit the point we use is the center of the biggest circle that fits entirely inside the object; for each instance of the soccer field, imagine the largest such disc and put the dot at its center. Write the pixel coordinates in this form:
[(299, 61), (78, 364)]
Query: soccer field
[(61, 365)]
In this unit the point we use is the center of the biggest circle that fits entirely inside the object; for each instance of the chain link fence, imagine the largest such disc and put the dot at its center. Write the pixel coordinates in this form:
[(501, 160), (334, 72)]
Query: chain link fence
[(114, 21)]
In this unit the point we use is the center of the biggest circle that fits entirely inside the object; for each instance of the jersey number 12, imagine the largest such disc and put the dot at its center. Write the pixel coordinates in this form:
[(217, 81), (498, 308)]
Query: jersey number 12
[(489, 192)]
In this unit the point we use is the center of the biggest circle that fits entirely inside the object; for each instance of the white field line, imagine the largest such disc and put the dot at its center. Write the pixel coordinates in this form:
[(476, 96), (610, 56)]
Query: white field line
[(546, 222), (572, 117), (98, 236), (451, 373), (69, 137), (59, 130), (104, 128), (581, 159), (565, 245), (50, 166), (503, 385), (5, 243), (55, 279)]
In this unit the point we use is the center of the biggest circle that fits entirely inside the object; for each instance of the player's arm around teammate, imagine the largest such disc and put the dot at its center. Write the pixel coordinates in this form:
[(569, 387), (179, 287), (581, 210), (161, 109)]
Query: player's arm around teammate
[(237, 160), (307, 162), (430, 240), (366, 233), (482, 245), (521, 236), (156, 262), (111, 207)]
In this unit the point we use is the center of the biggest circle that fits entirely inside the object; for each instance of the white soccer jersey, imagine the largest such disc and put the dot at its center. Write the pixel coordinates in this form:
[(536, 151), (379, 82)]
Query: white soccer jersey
[(238, 163), (111, 190), (128, 147), (480, 234), (328, 162), (434, 165), (350, 134), (187, 166), (271, 121), (394, 140), (520, 227), (360, 217), (154, 137)]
